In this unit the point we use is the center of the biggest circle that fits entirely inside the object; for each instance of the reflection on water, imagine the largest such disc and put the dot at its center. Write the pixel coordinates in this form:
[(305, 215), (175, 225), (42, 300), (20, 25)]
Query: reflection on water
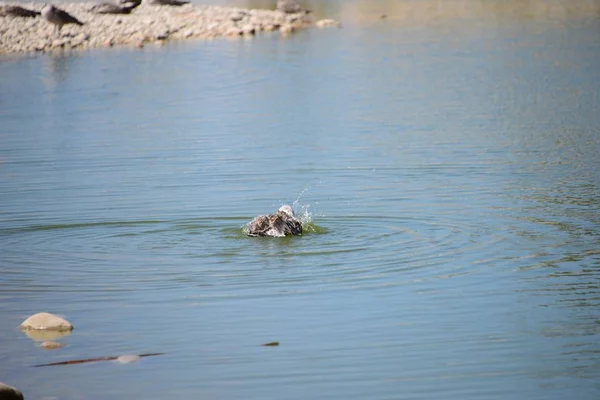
[(449, 170)]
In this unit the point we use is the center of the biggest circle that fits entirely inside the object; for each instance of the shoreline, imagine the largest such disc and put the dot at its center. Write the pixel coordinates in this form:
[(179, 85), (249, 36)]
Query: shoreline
[(146, 24)]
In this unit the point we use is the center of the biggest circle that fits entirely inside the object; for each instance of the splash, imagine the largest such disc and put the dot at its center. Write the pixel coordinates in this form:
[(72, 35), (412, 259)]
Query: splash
[(302, 212)]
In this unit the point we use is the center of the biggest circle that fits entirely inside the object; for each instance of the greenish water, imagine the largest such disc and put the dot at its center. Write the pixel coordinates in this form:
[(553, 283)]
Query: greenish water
[(449, 170)]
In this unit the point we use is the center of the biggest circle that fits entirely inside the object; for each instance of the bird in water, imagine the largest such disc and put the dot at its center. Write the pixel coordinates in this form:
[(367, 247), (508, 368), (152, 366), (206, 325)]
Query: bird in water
[(280, 224), (58, 17), (18, 11), (111, 8)]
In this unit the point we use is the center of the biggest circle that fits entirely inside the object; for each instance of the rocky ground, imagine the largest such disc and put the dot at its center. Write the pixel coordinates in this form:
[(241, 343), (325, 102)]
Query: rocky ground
[(146, 24)]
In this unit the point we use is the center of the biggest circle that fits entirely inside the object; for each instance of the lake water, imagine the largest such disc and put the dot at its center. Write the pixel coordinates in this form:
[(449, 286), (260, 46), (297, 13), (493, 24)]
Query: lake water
[(447, 168)]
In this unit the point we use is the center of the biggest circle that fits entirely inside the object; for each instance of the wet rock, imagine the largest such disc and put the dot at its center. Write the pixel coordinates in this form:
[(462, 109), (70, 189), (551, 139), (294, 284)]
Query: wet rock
[(248, 30), (238, 16), (327, 23), (43, 335), (128, 359), (289, 6), (271, 27), (287, 29), (8, 392), (233, 31), (51, 345), (46, 321)]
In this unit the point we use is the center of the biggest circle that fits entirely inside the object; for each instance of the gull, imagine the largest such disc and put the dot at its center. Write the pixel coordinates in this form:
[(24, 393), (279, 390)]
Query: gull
[(110, 8), (280, 224), (18, 11), (168, 2), (58, 17), (128, 3)]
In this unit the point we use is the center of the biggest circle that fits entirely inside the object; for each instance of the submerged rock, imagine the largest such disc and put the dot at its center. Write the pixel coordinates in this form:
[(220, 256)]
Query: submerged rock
[(46, 321), (8, 392), (127, 359), (40, 335), (51, 345)]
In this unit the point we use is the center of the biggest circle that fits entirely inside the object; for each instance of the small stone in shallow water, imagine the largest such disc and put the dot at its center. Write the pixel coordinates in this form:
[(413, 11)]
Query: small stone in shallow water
[(127, 359), (328, 23), (51, 345), (8, 392), (46, 321)]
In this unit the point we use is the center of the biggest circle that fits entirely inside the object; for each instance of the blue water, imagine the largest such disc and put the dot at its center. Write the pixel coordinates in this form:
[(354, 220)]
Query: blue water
[(449, 171)]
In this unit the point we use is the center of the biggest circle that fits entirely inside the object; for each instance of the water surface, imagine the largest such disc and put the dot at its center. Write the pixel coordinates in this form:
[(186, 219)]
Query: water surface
[(449, 167)]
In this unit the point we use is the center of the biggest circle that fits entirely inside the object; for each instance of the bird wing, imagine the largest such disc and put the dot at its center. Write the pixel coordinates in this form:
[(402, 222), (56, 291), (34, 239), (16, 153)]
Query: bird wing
[(67, 18), (294, 226), (259, 226)]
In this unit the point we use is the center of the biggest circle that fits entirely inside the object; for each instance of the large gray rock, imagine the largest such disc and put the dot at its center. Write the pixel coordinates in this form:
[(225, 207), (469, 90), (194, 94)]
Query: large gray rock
[(46, 321), (10, 393)]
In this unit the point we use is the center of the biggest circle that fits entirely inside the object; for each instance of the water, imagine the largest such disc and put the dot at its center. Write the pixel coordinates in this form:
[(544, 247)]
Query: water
[(449, 168)]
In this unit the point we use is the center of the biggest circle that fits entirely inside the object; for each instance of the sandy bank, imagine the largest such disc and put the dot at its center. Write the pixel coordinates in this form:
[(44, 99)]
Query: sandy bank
[(146, 24)]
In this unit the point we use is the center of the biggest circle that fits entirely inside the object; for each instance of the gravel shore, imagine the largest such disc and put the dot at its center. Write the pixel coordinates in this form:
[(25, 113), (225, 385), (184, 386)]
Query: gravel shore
[(146, 24)]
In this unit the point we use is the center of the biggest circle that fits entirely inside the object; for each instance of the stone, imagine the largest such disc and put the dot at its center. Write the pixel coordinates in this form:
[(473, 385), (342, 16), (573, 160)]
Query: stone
[(51, 345), (127, 359), (249, 30), (327, 23), (8, 392), (287, 29), (271, 27), (46, 321)]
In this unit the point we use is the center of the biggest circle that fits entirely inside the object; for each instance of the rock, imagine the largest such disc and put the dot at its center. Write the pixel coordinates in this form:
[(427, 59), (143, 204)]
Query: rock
[(127, 359), (10, 393), (163, 35), (271, 27), (237, 16), (327, 23), (289, 6), (287, 29), (234, 32), (46, 321), (50, 345), (249, 30)]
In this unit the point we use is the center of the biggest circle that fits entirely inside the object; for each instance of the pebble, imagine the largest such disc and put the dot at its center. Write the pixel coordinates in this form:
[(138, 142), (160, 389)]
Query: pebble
[(155, 23)]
